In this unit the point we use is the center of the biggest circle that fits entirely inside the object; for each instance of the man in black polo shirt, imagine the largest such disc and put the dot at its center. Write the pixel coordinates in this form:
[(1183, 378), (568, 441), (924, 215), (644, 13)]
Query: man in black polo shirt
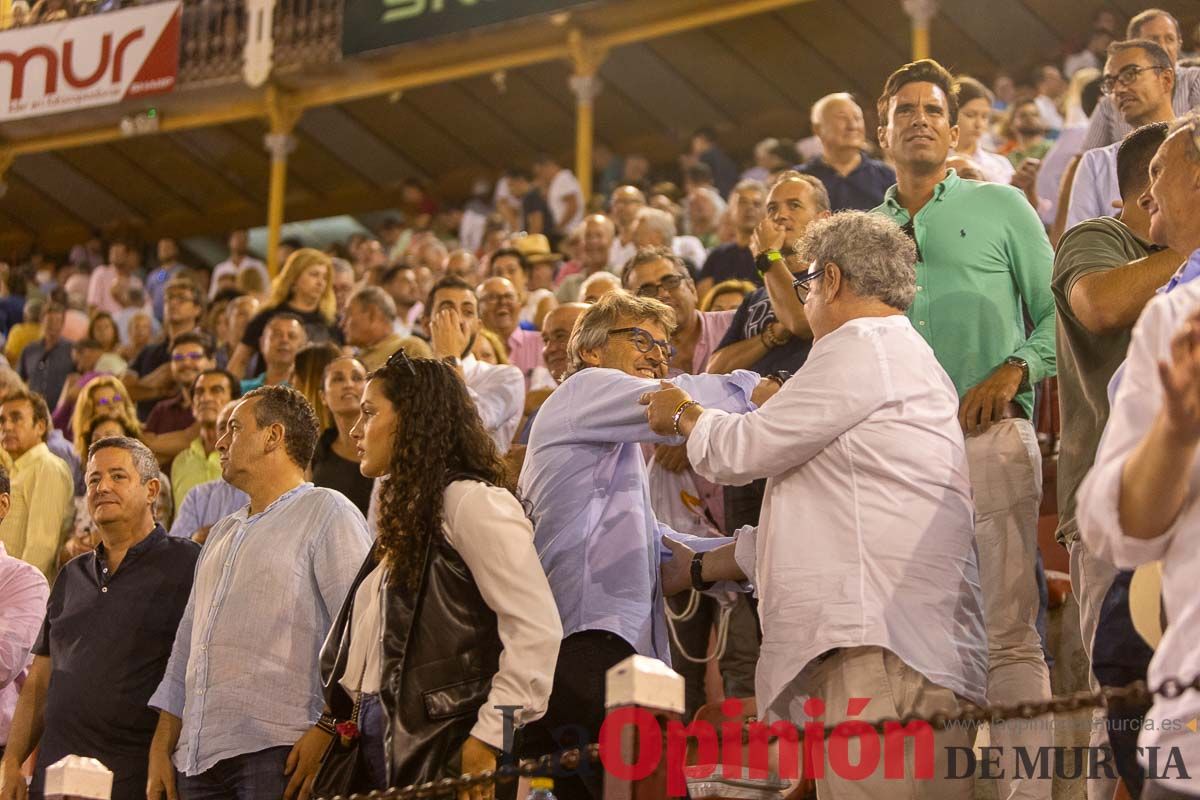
[(109, 628), (853, 179)]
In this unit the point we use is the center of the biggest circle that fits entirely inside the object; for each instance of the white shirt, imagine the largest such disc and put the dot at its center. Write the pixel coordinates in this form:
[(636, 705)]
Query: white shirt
[(1095, 186), (619, 255), (227, 267), (867, 529), (1054, 164), (1049, 111), (488, 528), (499, 394), (689, 247), (995, 168), (1134, 409), (563, 186)]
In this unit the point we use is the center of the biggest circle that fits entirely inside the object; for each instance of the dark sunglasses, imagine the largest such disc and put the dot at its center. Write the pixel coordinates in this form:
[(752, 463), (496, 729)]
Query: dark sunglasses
[(909, 229), (644, 342), (400, 359), (670, 283)]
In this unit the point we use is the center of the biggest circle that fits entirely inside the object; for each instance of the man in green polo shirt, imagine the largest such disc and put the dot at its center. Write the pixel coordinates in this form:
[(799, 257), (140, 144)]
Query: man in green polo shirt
[(983, 263)]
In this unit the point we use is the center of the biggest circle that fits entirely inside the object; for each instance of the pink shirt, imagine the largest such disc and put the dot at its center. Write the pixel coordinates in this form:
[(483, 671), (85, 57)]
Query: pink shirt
[(100, 286), (23, 596), (525, 351)]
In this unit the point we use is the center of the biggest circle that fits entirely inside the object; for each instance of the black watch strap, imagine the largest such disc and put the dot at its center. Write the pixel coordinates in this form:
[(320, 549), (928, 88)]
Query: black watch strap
[(698, 574)]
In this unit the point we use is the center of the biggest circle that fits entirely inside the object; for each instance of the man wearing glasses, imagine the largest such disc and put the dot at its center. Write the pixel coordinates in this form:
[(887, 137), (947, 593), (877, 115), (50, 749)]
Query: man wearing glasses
[(585, 485), (1139, 79), (191, 354), (984, 264), (1106, 125), (858, 599), (660, 274)]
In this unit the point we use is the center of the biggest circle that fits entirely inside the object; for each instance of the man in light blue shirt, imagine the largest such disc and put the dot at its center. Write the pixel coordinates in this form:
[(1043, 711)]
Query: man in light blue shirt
[(241, 694), (585, 485)]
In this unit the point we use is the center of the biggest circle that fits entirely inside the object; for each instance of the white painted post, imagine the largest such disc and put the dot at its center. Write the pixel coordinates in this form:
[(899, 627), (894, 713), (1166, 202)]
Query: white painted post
[(78, 778)]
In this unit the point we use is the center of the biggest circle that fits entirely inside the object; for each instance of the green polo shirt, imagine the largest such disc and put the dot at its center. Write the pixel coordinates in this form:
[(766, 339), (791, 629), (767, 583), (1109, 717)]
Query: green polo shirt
[(984, 262), (191, 468)]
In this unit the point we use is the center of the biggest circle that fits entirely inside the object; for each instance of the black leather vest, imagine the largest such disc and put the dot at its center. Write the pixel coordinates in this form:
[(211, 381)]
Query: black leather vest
[(440, 651)]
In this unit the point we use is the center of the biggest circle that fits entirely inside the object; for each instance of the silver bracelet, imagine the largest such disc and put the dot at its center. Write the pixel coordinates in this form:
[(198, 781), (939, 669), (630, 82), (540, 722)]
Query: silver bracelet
[(679, 415)]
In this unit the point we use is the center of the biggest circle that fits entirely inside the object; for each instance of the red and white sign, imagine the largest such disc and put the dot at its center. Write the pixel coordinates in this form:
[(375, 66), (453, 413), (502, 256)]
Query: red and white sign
[(91, 61)]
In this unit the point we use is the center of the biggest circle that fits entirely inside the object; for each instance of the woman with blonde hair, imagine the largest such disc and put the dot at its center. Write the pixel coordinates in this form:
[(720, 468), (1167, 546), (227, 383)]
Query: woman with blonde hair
[(304, 287), (102, 397), (489, 349), (726, 295)]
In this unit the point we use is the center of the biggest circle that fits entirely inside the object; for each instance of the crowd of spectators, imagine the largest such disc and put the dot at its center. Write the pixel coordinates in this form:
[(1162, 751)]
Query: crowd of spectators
[(22, 13), (859, 337)]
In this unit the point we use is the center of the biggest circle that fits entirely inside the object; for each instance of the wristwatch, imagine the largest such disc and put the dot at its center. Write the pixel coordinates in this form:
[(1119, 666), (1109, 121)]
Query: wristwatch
[(698, 572), (1023, 365), (765, 260)]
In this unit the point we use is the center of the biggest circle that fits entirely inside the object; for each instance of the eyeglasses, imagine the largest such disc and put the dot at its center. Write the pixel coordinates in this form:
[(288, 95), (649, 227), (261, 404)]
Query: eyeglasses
[(400, 359), (115, 400), (496, 298), (178, 357), (909, 229), (801, 284), (670, 283), (1125, 77), (645, 342)]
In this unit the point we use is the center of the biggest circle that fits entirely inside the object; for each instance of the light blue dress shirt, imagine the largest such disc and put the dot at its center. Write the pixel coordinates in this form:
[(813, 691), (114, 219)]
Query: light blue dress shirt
[(584, 483), (207, 504), (244, 673)]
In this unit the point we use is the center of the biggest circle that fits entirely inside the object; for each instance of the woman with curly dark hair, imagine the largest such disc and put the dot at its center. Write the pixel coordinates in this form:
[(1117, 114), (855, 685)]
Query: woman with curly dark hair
[(451, 616)]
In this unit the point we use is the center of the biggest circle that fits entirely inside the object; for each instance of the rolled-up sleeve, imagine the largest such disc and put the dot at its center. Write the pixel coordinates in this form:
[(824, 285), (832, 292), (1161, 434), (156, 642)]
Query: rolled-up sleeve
[(338, 552), (1134, 410), (745, 550), (488, 528)]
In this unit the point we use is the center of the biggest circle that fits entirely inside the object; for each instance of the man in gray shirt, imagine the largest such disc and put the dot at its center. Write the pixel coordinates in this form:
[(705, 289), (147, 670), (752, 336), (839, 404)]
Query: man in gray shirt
[(1107, 125)]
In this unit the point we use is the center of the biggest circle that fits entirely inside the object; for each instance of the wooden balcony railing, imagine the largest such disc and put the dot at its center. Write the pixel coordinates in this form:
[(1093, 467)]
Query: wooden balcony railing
[(213, 35)]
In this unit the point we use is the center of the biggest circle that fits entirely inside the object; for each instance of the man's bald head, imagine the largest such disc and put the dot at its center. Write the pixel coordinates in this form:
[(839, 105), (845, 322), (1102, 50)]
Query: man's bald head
[(556, 334)]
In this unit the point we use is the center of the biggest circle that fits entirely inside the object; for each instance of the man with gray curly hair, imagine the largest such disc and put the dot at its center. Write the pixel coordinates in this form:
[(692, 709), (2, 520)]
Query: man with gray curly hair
[(585, 485), (858, 601)]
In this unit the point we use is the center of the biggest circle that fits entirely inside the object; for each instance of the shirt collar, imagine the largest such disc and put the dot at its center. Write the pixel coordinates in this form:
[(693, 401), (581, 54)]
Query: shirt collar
[(945, 186), (283, 498), (157, 534), (197, 448), (32, 454)]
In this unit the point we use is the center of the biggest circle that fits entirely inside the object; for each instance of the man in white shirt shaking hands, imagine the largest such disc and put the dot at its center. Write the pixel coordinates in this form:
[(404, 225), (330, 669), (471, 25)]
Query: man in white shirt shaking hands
[(864, 561)]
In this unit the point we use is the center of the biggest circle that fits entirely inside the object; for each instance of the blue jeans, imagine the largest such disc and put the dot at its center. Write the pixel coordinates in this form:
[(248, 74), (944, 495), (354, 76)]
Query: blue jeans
[(250, 776), (371, 748)]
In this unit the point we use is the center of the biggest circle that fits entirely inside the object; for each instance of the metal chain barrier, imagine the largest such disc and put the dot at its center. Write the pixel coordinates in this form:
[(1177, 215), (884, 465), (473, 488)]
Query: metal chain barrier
[(1136, 693)]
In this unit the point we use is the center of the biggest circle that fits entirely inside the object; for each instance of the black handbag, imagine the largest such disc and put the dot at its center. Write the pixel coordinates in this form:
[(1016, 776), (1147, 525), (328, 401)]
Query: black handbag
[(342, 772)]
